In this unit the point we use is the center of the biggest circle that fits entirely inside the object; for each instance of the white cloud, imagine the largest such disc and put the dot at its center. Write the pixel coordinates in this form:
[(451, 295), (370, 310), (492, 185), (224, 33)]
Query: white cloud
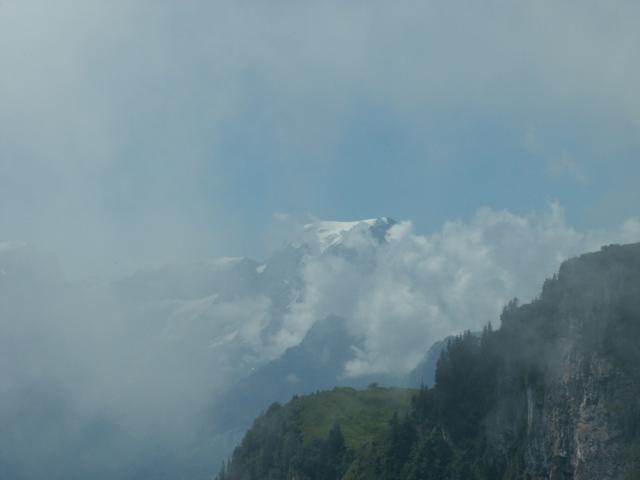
[(113, 111), (135, 361), (417, 289)]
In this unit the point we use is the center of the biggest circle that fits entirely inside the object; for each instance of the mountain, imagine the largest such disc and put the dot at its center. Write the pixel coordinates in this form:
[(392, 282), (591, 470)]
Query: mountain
[(236, 308), (327, 236), (315, 436), (317, 363), (424, 374), (235, 327), (243, 319), (205, 346), (553, 394)]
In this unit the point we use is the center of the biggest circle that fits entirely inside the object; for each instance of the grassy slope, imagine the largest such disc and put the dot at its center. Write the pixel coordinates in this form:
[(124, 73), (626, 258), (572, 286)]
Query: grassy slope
[(362, 414)]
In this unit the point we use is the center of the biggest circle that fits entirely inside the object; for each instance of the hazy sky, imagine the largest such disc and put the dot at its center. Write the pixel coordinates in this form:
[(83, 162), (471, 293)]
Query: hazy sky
[(140, 131), (504, 137)]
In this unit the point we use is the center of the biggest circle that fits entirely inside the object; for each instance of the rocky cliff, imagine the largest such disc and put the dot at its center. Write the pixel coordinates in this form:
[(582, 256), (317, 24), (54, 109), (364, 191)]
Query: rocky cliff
[(553, 394), (580, 404)]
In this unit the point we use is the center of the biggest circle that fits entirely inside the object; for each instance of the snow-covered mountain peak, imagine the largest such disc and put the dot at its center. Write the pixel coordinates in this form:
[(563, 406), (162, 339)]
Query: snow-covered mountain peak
[(328, 234)]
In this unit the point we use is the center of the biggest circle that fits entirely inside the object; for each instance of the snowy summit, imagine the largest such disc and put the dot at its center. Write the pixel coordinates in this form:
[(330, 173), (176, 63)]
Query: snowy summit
[(328, 234)]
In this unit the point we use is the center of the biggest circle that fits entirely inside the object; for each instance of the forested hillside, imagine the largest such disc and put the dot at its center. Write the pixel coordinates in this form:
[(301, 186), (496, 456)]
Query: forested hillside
[(316, 436), (554, 393)]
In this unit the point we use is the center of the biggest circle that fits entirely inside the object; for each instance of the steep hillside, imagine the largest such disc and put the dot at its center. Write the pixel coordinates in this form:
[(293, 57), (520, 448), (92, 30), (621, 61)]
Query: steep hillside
[(316, 364), (553, 394), (315, 436)]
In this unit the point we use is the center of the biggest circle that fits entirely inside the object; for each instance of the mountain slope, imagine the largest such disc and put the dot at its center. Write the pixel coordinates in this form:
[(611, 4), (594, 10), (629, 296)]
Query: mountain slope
[(316, 435), (316, 364), (553, 394), (236, 326), (235, 309)]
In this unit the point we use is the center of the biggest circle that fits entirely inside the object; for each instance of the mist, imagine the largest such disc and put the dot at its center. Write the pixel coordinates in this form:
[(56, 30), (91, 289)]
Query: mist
[(89, 387), (123, 379), (166, 169), (136, 132)]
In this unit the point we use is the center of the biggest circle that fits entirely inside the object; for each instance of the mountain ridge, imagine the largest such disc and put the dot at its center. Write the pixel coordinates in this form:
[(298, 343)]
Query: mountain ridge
[(553, 394)]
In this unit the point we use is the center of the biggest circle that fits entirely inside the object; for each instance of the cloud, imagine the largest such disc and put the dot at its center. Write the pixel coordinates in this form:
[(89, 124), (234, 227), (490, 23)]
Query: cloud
[(147, 132), (416, 289), (98, 367), (137, 128), (565, 166), (94, 384)]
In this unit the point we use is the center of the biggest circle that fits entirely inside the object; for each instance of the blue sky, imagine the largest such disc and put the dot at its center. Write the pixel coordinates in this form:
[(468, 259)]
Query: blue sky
[(141, 132)]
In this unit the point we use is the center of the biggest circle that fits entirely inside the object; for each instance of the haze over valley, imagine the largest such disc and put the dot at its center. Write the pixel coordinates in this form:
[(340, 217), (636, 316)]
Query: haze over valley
[(207, 207)]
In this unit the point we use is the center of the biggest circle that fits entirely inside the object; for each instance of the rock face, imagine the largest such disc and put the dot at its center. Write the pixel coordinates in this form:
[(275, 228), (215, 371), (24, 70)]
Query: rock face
[(572, 432), (578, 410)]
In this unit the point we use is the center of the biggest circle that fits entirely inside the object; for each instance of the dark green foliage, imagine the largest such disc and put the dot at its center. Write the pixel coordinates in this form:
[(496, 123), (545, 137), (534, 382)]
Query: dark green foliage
[(465, 383), (322, 460), (430, 457), (402, 437), (306, 440), (268, 449), (442, 436), (448, 422), (633, 463), (439, 437)]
